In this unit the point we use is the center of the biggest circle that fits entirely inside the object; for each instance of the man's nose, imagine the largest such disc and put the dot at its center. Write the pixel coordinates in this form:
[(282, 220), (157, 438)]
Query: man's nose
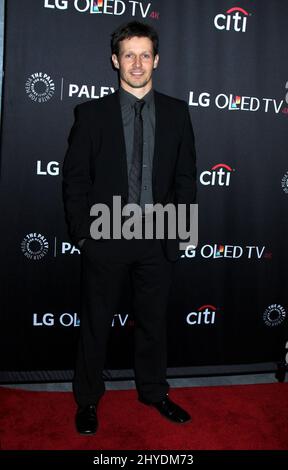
[(138, 61)]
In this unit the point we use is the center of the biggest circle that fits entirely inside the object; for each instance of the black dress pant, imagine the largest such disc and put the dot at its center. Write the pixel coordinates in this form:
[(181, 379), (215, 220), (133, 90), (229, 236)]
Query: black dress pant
[(105, 267)]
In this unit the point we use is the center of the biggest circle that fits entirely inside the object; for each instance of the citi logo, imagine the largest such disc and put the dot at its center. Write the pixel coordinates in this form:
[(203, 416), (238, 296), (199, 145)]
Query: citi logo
[(204, 316), (234, 19), (219, 175)]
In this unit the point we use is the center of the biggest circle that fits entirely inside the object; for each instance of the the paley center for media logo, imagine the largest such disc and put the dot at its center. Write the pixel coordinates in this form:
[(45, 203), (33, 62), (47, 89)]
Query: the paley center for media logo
[(140, 8), (40, 87), (274, 315), (34, 246), (284, 183)]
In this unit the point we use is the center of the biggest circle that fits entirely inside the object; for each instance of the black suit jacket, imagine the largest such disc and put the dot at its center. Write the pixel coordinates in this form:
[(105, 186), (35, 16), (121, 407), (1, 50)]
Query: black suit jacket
[(95, 165)]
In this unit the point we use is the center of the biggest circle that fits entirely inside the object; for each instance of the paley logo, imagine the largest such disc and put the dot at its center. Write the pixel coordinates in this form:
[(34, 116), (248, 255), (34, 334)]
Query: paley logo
[(219, 175), (233, 102), (51, 319), (34, 246), (67, 248), (40, 87), (274, 315), (218, 251), (105, 7), (284, 183), (75, 90), (205, 315), (234, 19)]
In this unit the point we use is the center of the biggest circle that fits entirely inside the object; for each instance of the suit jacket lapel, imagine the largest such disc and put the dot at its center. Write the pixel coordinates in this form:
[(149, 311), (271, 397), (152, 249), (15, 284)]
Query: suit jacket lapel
[(117, 134), (160, 129)]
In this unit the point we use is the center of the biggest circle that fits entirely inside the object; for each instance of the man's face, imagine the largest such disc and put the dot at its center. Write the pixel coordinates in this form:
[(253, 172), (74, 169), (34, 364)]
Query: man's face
[(136, 62)]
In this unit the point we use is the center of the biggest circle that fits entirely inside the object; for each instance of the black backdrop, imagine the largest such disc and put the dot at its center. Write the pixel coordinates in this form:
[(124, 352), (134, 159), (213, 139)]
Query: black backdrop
[(229, 62)]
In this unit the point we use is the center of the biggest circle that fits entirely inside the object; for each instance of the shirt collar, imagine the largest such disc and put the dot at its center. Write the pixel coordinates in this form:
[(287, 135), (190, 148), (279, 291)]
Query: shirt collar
[(127, 98)]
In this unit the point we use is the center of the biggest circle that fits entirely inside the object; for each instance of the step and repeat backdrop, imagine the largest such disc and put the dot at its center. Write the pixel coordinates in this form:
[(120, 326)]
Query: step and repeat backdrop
[(228, 60)]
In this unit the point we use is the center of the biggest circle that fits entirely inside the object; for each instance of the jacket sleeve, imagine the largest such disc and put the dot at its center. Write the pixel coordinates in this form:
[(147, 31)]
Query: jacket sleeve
[(76, 177), (185, 177)]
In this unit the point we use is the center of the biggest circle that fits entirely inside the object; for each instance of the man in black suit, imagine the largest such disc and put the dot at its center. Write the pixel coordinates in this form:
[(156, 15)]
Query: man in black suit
[(137, 144)]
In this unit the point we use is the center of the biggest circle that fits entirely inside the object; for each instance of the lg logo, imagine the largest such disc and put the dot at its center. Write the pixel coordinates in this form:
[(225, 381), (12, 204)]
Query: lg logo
[(50, 319), (60, 4), (52, 168), (236, 21)]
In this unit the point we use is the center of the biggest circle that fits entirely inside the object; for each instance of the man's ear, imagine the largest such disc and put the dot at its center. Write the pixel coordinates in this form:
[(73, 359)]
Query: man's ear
[(115, 61), (156, 60)]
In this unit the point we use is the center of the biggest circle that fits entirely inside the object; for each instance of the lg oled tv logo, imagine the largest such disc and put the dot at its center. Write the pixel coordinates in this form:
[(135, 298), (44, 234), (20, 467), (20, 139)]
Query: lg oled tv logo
[(122, 320), (218, 175), (205, 315), (105, 7), (68, 319), (234, 19), (234, 102), (219, 251)]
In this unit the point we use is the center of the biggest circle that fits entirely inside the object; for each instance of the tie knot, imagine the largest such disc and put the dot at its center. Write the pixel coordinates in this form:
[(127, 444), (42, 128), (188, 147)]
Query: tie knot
[(138, 106)]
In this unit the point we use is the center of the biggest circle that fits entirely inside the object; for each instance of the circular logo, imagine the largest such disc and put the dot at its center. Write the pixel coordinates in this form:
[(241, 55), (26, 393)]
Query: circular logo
[(284, 183), (274, 315), (40, 87), (34, 246)]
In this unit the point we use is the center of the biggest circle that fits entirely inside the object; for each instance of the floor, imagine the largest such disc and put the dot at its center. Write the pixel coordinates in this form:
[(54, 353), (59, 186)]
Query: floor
[(239, 379)]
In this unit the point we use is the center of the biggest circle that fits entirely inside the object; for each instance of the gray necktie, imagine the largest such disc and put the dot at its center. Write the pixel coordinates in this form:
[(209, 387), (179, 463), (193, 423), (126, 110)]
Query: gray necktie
[(135, 174)]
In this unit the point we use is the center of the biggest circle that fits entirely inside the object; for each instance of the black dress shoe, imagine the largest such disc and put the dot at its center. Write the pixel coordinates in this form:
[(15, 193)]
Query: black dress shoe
[(86, 420), (169, 410)]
